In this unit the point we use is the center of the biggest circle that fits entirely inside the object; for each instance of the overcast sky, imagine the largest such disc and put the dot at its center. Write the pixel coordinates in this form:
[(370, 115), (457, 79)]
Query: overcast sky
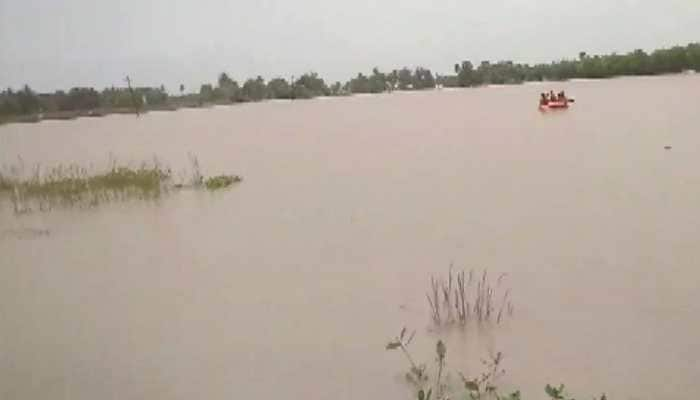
[(52, 44)]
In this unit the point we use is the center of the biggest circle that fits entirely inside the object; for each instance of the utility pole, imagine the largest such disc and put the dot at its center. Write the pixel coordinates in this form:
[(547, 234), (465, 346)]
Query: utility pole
[(133, 95)]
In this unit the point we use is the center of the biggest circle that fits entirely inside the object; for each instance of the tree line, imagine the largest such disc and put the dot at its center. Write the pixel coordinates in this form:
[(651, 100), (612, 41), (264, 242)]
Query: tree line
[(227, 90), (26, 101), (663, 61)]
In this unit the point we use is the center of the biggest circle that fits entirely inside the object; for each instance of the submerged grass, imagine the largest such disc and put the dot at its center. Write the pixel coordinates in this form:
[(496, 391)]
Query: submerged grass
[(74, 181), (460, 298), (221, 181), (485, 385), (74, 185)]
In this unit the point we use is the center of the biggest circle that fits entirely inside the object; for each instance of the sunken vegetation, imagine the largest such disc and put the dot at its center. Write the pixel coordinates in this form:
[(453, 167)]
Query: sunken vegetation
[(221, 181), (462, 298), (437, 383), (456, 301), (26, 105), (76, 186)]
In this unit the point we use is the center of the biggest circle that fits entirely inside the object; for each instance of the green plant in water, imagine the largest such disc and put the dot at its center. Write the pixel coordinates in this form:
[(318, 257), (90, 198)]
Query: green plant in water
[(416, 374), (422, 395), (559, 393), (482, 387), (463, 298), (5, 183), (221, 181), (441, 351), (73, 185)]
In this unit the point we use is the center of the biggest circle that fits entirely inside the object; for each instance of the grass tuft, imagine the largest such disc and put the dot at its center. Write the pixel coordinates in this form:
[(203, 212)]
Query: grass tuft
[(468, 297), (221, 181), (73, 185)]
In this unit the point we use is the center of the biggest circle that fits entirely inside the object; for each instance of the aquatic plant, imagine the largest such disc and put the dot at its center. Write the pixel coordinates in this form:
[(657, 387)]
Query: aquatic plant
[(221, 181), (5, 182), (559, 393), (481, 387), (76, 186), (416, 374), (451, 300), (484, 386)]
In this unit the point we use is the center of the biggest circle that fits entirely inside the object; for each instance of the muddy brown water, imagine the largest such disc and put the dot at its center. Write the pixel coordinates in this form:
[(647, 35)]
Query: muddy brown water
[(290, 284)]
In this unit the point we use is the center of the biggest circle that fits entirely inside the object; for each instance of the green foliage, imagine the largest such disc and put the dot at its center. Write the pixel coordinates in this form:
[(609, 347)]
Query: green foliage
[(279, 88), (403, 79), (555, 393), (73, 185), (512, 396), (559, 393), (206, 92), (309, 85), (22, 102), (5, 183), (637, 62), (118, 98), (254, 89), (337, 89), (482, 387), (417, 373), (221, 181), (423, 396), (153, 96), (423, 79)]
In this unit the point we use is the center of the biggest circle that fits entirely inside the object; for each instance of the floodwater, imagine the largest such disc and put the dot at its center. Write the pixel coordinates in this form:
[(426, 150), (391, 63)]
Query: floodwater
[(290, 284)]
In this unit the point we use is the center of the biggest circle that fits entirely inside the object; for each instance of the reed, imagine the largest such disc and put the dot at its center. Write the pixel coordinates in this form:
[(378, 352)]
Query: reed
[(459, 298)]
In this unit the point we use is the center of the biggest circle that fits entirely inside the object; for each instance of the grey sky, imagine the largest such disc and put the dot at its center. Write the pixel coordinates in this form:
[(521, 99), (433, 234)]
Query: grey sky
[(53, 44)]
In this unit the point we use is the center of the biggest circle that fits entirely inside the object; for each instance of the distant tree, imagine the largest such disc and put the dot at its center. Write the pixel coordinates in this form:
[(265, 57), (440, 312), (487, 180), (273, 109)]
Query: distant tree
[(82, 98), (393, 79), (254, 89), (279, 88), (336, 89), (465, 73), (405, 79), (377, 81), (360, 84), (423, 79), (182, 89), (206, 92), (309, 85), (228, 88), (154, 96), (28, 101)]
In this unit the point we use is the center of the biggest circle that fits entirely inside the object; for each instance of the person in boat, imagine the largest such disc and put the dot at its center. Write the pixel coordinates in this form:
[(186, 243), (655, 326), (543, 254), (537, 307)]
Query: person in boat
[(543, 99), (552, 96), (562, 97)]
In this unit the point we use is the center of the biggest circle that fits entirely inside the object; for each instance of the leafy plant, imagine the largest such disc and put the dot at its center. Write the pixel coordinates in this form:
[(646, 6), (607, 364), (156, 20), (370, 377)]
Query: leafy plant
[(484, 385), (221, 181), (423, 396), (559, 393), (416, 374)]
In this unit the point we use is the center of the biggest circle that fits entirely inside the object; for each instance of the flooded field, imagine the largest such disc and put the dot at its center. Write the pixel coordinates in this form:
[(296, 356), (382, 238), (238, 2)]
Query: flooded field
[(290, 284)]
